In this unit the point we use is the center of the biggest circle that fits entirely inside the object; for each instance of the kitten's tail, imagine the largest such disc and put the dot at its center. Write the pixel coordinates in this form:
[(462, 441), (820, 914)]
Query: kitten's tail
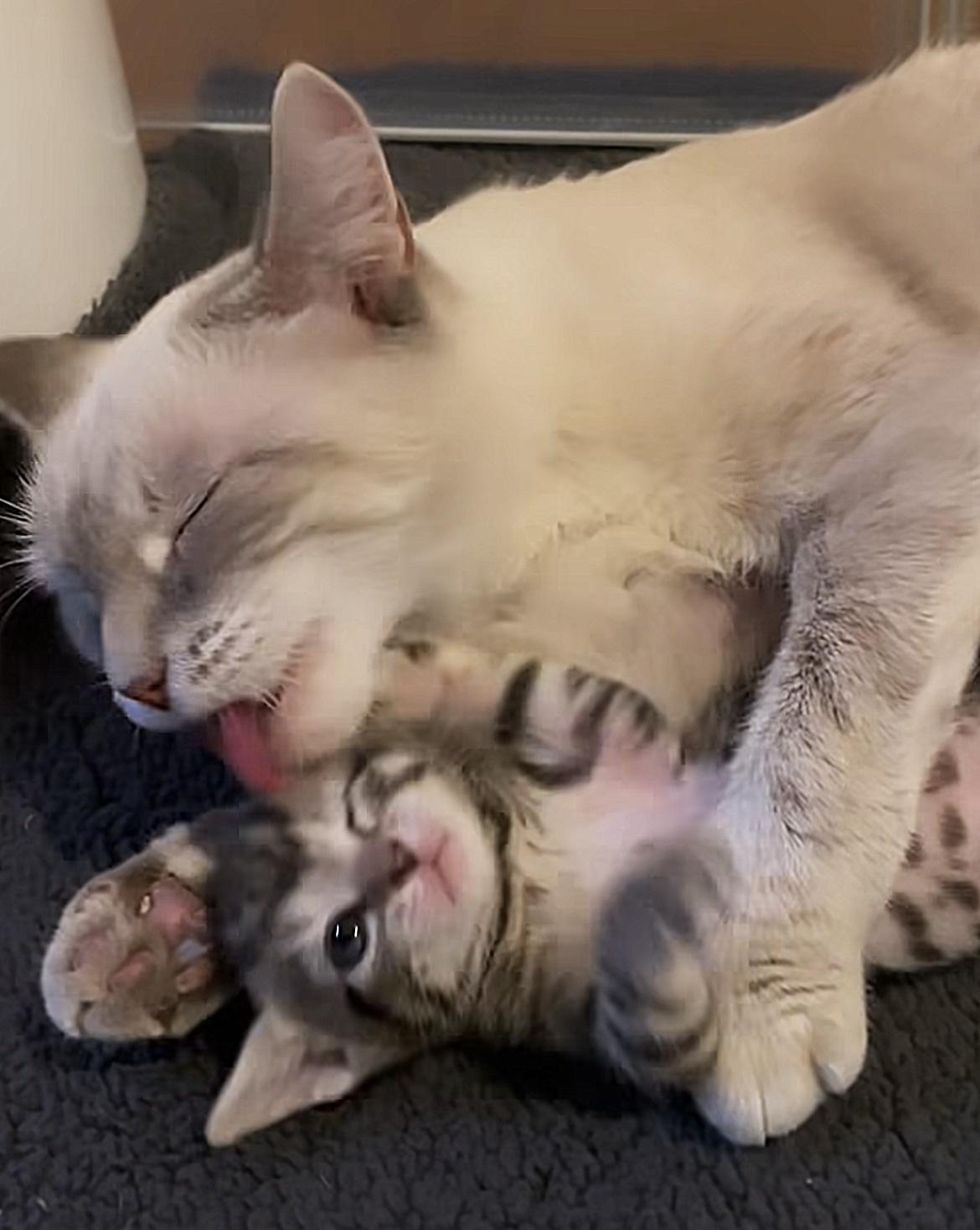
[(655, 1019)]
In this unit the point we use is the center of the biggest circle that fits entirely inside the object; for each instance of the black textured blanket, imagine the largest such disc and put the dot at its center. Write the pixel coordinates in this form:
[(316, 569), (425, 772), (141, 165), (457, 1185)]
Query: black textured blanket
[(109, 1137)]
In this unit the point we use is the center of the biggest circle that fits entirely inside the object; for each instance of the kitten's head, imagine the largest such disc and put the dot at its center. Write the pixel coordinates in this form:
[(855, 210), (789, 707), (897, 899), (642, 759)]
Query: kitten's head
[(432, 884), (372, 911), (234, 502)]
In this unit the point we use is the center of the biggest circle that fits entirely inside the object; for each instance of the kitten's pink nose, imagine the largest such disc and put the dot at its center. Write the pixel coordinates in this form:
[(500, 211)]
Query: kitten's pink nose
[(150, 689)]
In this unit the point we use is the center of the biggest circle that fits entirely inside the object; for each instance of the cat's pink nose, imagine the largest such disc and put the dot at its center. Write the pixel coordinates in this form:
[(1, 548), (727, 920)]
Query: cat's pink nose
[(150, 689)]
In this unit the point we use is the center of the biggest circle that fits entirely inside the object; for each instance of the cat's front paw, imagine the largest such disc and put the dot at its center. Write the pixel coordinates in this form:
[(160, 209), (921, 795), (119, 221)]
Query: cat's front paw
[(132, 954), (792, 1028), (410, 682), (422, 680)]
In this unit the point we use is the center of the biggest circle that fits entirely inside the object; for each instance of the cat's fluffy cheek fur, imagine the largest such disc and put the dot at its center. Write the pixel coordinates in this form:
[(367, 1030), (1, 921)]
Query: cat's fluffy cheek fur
[(300, 633), (328, 693)]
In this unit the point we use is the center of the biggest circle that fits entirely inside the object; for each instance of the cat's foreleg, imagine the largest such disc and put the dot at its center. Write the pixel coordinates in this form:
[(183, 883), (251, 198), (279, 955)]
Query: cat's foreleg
[(821, 799)]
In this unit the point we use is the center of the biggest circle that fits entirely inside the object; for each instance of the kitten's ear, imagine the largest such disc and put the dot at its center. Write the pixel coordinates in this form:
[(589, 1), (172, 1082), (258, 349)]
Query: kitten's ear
[(41, 376), (336, 229), (284, 1068)]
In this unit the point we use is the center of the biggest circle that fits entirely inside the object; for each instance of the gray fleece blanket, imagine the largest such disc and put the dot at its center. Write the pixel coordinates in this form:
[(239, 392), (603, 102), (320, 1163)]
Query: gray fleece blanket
[(107, 1137)]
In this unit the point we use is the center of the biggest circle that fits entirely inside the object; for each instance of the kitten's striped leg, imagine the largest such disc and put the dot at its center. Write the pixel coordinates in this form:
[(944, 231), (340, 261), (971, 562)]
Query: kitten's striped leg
[(556, 721), (132, 954)]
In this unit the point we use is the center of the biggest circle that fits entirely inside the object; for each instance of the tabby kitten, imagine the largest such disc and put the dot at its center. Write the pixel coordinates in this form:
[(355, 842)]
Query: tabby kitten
[(541, 870)]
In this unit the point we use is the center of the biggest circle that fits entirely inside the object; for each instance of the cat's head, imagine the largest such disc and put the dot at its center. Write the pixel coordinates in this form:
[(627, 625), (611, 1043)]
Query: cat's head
[(372, 911), (234, 502)]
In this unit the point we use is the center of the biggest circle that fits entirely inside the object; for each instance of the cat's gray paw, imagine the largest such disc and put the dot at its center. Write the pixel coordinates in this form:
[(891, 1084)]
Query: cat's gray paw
[(132, 956), (420, 680)]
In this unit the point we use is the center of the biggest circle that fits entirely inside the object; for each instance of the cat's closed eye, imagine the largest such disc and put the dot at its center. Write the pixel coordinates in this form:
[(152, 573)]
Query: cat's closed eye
[(196, 507)]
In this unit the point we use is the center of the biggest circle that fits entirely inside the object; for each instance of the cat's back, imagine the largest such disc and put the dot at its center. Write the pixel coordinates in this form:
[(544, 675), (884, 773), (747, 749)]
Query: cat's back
[(781, 266), (883, 178)]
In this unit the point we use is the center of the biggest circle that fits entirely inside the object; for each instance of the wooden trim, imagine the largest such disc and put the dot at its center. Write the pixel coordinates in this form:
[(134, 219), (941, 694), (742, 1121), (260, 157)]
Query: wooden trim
[(169, 45)]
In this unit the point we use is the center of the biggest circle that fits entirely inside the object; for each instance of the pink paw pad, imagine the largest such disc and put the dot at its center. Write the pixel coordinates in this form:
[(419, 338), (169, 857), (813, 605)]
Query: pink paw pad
[(173, 943), (175, 914)]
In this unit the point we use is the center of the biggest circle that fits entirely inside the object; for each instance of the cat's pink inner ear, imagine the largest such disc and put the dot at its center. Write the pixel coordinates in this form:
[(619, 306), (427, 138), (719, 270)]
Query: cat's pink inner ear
[(335, 220)]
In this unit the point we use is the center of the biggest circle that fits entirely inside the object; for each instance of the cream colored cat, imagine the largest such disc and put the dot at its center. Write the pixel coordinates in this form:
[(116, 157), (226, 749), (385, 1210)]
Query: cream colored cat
[(608, 420)]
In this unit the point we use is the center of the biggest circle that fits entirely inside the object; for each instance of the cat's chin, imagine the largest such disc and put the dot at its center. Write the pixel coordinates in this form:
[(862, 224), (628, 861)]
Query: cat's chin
[(160, 721), (239, 734)]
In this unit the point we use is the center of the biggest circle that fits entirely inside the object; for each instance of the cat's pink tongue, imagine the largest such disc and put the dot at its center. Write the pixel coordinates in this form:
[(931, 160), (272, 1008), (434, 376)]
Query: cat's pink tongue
[(241, 738)]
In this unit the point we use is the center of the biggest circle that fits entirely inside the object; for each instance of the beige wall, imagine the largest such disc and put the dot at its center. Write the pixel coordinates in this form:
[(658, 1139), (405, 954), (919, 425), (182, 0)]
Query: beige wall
[(167, 45)]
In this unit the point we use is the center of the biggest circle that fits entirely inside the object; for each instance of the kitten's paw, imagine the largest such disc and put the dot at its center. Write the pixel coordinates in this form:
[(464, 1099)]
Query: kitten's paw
[(791, 1031), (654, 1013), (132, 956)]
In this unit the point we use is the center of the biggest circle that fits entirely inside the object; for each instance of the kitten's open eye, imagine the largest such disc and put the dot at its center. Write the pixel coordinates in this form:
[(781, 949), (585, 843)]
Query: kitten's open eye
[(195, 508), (346, 939)]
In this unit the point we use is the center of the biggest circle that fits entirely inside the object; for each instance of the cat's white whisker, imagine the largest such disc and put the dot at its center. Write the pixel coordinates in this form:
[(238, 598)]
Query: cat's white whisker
[(14, 506), (19, 593)]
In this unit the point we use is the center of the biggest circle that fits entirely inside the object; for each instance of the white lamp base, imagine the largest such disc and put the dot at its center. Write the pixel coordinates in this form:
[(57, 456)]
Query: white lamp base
[(72, 182)]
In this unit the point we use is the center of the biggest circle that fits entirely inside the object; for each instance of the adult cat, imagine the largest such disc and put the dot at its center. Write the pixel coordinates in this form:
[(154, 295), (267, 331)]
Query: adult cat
[(603, 421)]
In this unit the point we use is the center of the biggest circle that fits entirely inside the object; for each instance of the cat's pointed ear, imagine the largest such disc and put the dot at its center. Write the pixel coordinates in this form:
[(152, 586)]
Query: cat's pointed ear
[(41, 376), (284, 1068), (336, 228)]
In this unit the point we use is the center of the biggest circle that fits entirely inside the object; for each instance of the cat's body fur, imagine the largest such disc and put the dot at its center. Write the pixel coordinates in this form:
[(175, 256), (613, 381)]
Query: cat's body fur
[(528, 862), (573, 420)]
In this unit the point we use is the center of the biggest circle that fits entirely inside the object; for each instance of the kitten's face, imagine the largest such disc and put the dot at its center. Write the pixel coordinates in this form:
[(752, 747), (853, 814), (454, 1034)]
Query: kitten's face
[(371, 900), (235, 505)]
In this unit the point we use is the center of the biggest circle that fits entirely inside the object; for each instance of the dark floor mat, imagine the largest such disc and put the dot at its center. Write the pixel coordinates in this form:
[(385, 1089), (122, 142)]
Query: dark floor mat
[(112, 1137)]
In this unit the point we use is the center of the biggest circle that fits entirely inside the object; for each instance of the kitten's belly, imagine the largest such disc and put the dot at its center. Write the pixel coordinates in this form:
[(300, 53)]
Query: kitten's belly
[(595, 832)]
